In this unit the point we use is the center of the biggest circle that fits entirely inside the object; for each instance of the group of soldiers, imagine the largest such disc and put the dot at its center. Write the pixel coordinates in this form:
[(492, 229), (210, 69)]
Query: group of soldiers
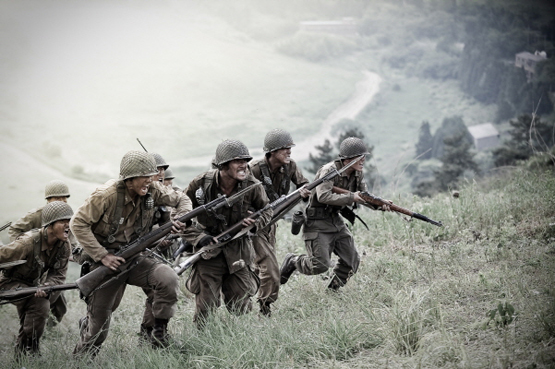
[(124, 209)]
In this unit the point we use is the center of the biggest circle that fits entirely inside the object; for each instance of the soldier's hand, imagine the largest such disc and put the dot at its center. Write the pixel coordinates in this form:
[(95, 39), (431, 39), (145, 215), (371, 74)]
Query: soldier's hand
[(207, 240), (386, 207), (112, 261), (41, 293), (177, 226), (304, 192), (358, 198)]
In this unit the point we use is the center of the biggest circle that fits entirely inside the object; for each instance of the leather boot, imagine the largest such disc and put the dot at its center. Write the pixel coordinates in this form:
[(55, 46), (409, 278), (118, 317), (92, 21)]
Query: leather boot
[(287, 268), (265, 309), (145, 334), (335, 284), (159, 337)]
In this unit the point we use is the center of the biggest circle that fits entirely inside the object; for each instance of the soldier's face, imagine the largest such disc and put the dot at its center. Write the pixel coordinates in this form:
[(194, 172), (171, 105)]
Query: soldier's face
[(168, 182), (237, 169), (60, 229), (64, 199), (283, 156), (358, 166), (139, 185), (160, 176)]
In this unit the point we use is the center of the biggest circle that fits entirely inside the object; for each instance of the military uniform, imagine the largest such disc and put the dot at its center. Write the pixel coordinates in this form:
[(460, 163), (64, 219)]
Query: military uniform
[(276, 184), (43, 266), (229, 272), (325, 231), (108, 219)]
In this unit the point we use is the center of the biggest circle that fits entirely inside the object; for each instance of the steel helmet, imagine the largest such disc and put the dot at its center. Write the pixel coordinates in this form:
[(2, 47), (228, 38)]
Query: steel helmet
[(56, 188), (137, 164), (160, 162), (351, 147), (55, 210), (169, 174), (229, 150), (277, 139)]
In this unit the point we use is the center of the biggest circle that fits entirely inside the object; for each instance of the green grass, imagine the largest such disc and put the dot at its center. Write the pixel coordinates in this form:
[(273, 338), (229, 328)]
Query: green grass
[(421, 297)]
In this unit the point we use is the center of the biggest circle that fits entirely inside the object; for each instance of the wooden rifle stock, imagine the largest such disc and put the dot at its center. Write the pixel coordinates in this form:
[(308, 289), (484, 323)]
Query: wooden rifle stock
[(377, 202), (24, 292)]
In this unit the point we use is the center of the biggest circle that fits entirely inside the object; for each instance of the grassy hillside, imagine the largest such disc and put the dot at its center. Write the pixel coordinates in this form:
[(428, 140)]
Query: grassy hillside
[(424, 297)]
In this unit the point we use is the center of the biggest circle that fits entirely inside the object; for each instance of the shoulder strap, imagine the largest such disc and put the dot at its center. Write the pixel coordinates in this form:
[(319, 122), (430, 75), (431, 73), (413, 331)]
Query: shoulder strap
[(39, 264), (118, 219), (267, 182)]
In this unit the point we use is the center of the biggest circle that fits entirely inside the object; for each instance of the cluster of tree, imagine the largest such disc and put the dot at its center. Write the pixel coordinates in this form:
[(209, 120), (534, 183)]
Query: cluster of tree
[(451, 145), (528, 136)]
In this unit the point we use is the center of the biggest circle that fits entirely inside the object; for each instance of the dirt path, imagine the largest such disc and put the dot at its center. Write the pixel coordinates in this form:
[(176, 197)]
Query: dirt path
[(365, 91)]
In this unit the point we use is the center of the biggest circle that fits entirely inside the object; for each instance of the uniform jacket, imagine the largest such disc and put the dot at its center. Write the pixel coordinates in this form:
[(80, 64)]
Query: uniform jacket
[(208, 224), (47, 266), (281, 178), (93, 221), (329, 203), (31, 220)]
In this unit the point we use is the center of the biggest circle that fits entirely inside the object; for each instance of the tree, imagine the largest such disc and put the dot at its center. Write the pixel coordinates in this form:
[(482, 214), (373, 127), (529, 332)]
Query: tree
[(425, 141), (456, 160), (325, 156), (449, 127), (529, 134)]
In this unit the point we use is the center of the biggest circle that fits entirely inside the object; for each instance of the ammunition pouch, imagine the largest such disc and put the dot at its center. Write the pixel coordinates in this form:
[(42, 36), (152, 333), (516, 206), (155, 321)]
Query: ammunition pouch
[(297, 222), (320, 213)]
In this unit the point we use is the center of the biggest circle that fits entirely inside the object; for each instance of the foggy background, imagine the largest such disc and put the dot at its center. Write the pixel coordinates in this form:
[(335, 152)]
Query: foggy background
[(81, 80)]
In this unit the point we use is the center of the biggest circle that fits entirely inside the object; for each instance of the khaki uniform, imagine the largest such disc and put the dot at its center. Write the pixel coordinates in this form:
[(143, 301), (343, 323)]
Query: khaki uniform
[(94, 226), (230, 271), (325, 231), (265, 241), (43, 266), (33, 220)]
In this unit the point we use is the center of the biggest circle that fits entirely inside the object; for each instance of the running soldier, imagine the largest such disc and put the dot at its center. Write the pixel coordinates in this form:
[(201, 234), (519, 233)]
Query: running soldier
[(276, 171), (325, 231), (46, 251), (226, 271), (55, 190), (116, 214)]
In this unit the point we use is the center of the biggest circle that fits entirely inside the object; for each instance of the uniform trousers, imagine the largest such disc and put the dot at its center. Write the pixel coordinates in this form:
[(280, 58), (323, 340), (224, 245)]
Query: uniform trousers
[(266, 265), (149, 273)]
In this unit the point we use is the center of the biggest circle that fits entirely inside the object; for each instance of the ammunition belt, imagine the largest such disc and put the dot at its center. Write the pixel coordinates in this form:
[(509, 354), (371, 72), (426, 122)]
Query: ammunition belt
[(320, 213)]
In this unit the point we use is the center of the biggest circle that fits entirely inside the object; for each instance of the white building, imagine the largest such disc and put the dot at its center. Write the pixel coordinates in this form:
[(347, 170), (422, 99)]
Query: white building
[(485, 136)]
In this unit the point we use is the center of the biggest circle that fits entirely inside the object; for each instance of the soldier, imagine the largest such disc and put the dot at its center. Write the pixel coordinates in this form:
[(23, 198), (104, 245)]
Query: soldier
[(276, 171), (226, 271), (55, 190), (116, 214), (325, 232), (168, 179), (161, 166), (46, 251)]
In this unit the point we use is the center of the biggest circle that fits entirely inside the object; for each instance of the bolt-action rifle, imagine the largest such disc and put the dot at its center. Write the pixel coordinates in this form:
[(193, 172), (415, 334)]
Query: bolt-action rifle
[(279, 207), (375, 202), (24, 292), (5, 226), (93, 280)]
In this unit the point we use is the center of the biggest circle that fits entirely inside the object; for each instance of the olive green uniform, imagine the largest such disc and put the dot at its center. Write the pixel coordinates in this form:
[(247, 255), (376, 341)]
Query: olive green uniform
[(230, 271), (276, 184), (94, 226), (325, 231), (43, 266), (32, 220)]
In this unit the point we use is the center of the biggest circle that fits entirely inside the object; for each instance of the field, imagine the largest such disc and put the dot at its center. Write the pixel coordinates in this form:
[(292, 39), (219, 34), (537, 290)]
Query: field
[(477, 293)]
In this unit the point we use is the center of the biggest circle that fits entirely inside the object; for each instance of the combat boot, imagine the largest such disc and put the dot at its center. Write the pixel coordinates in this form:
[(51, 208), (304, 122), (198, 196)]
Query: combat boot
[(265, 309), (145, 334), (335, 284), (159, 336), (287, 268)]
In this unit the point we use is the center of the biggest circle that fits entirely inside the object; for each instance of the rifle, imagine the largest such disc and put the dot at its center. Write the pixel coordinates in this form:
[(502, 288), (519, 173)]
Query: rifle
[(92, 281), (5, 226), (280, 208), (374, 202), (23, 292)]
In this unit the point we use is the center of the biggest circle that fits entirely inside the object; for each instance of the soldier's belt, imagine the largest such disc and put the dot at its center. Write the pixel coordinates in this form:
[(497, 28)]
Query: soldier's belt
[(320, 213)]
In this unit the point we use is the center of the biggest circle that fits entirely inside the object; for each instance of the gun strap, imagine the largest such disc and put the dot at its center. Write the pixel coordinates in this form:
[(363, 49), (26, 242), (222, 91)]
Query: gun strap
[(267, 181)]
